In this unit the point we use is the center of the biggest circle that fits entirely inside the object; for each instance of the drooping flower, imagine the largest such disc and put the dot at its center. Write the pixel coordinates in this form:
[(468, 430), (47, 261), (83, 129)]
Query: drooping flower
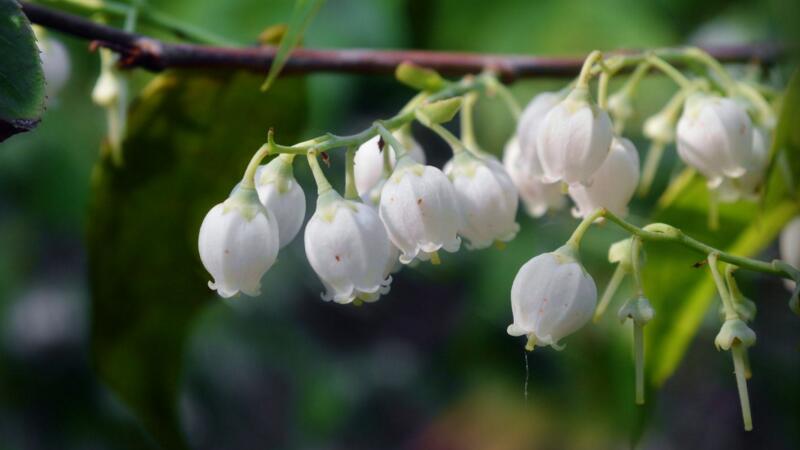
[(614, 183), (552, 296), (281, 194), (347, 246), (747, 186), (574, 139), (420, 210), (714, 136), (537, 196), (369, 160), (238, 243), (529, 124), (487, 198)]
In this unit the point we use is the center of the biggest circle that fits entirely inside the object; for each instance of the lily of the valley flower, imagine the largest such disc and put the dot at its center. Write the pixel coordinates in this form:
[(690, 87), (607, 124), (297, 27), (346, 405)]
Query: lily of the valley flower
[(574, 139), (552, 296), (55, 61), (487, 197), (537, 196), (369, 160), (612, 185), (281, 194), (789, 246), (715, 137), (420, 210), (530, 122), (347, 246), (238, 243), (748, 185)]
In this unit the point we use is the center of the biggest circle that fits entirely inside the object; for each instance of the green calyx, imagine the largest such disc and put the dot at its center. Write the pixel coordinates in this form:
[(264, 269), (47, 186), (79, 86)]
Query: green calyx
[(278, 171), (243, 200)]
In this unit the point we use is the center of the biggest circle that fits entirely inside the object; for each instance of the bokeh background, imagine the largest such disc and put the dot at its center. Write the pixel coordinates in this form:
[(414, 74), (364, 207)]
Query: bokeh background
[(103, 298)]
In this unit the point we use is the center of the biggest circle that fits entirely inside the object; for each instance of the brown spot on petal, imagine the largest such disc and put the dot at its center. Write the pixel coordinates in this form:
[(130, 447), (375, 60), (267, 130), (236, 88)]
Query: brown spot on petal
[(419, 201), (338, 258), (227, 251)]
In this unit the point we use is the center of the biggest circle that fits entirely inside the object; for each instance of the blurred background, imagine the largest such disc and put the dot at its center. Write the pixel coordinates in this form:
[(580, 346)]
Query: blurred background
[(109, 338)]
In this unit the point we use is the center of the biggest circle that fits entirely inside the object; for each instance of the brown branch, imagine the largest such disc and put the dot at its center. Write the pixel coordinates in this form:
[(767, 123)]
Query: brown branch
[(152, 54)]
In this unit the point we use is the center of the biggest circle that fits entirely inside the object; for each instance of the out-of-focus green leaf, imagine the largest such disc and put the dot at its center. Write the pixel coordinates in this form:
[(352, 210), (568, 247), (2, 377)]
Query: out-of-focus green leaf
[(21, 78), (304, 12), (786, 141), (681, 293), (189, 140)]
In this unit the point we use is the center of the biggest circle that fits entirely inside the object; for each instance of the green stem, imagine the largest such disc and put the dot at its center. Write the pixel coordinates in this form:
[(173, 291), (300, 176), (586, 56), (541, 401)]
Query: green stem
[(602, 89), (670, 71), (737, 352), (350, 191), (636, 263), (724, 294), (323, 185), (456, 145), (249, 178), (651, 166), (586, 70), (577, 235), (701, 56), (608, 294), (665, 233), (638, 358), (467, 123), (391, 140)]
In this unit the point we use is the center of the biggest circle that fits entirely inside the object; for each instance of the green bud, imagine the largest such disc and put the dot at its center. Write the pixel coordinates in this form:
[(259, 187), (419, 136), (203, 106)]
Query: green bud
[(734, 331), (637, 309), (620, 253), (439, 112), (418, 77)]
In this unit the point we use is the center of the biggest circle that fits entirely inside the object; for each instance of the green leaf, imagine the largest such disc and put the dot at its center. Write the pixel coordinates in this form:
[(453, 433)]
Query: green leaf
[(304, 12), (189, 140), (785, 149), (681, 293), (22, 91)]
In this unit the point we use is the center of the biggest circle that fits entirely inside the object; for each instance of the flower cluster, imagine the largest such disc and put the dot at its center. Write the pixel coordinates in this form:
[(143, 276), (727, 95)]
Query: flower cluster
[(396, 209)]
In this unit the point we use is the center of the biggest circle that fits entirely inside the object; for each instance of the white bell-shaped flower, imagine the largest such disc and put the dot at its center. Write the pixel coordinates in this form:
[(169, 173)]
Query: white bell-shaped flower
[(529, 124), (238, 243), (420, 210), (552, 297), (613, 185), (487, 197), (537, 196), (347, 246), (715, 137), (789, 245), (747, 186), (574, 139), (369, 160), (281, 194)]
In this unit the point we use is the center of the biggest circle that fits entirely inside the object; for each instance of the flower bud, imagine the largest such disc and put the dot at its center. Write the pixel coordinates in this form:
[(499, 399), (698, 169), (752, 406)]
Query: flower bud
[(347, 246), (637, 309), (369, 160), (537, 197), (660, 127), (528, 126), (574, 139), (238, 243), (620, 253), (620, 105), (281, 194), (715, 137), (107, 89), (420, 210), (487, 197), (613, 185), (789, 246), (552, 296), (734, 331)]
